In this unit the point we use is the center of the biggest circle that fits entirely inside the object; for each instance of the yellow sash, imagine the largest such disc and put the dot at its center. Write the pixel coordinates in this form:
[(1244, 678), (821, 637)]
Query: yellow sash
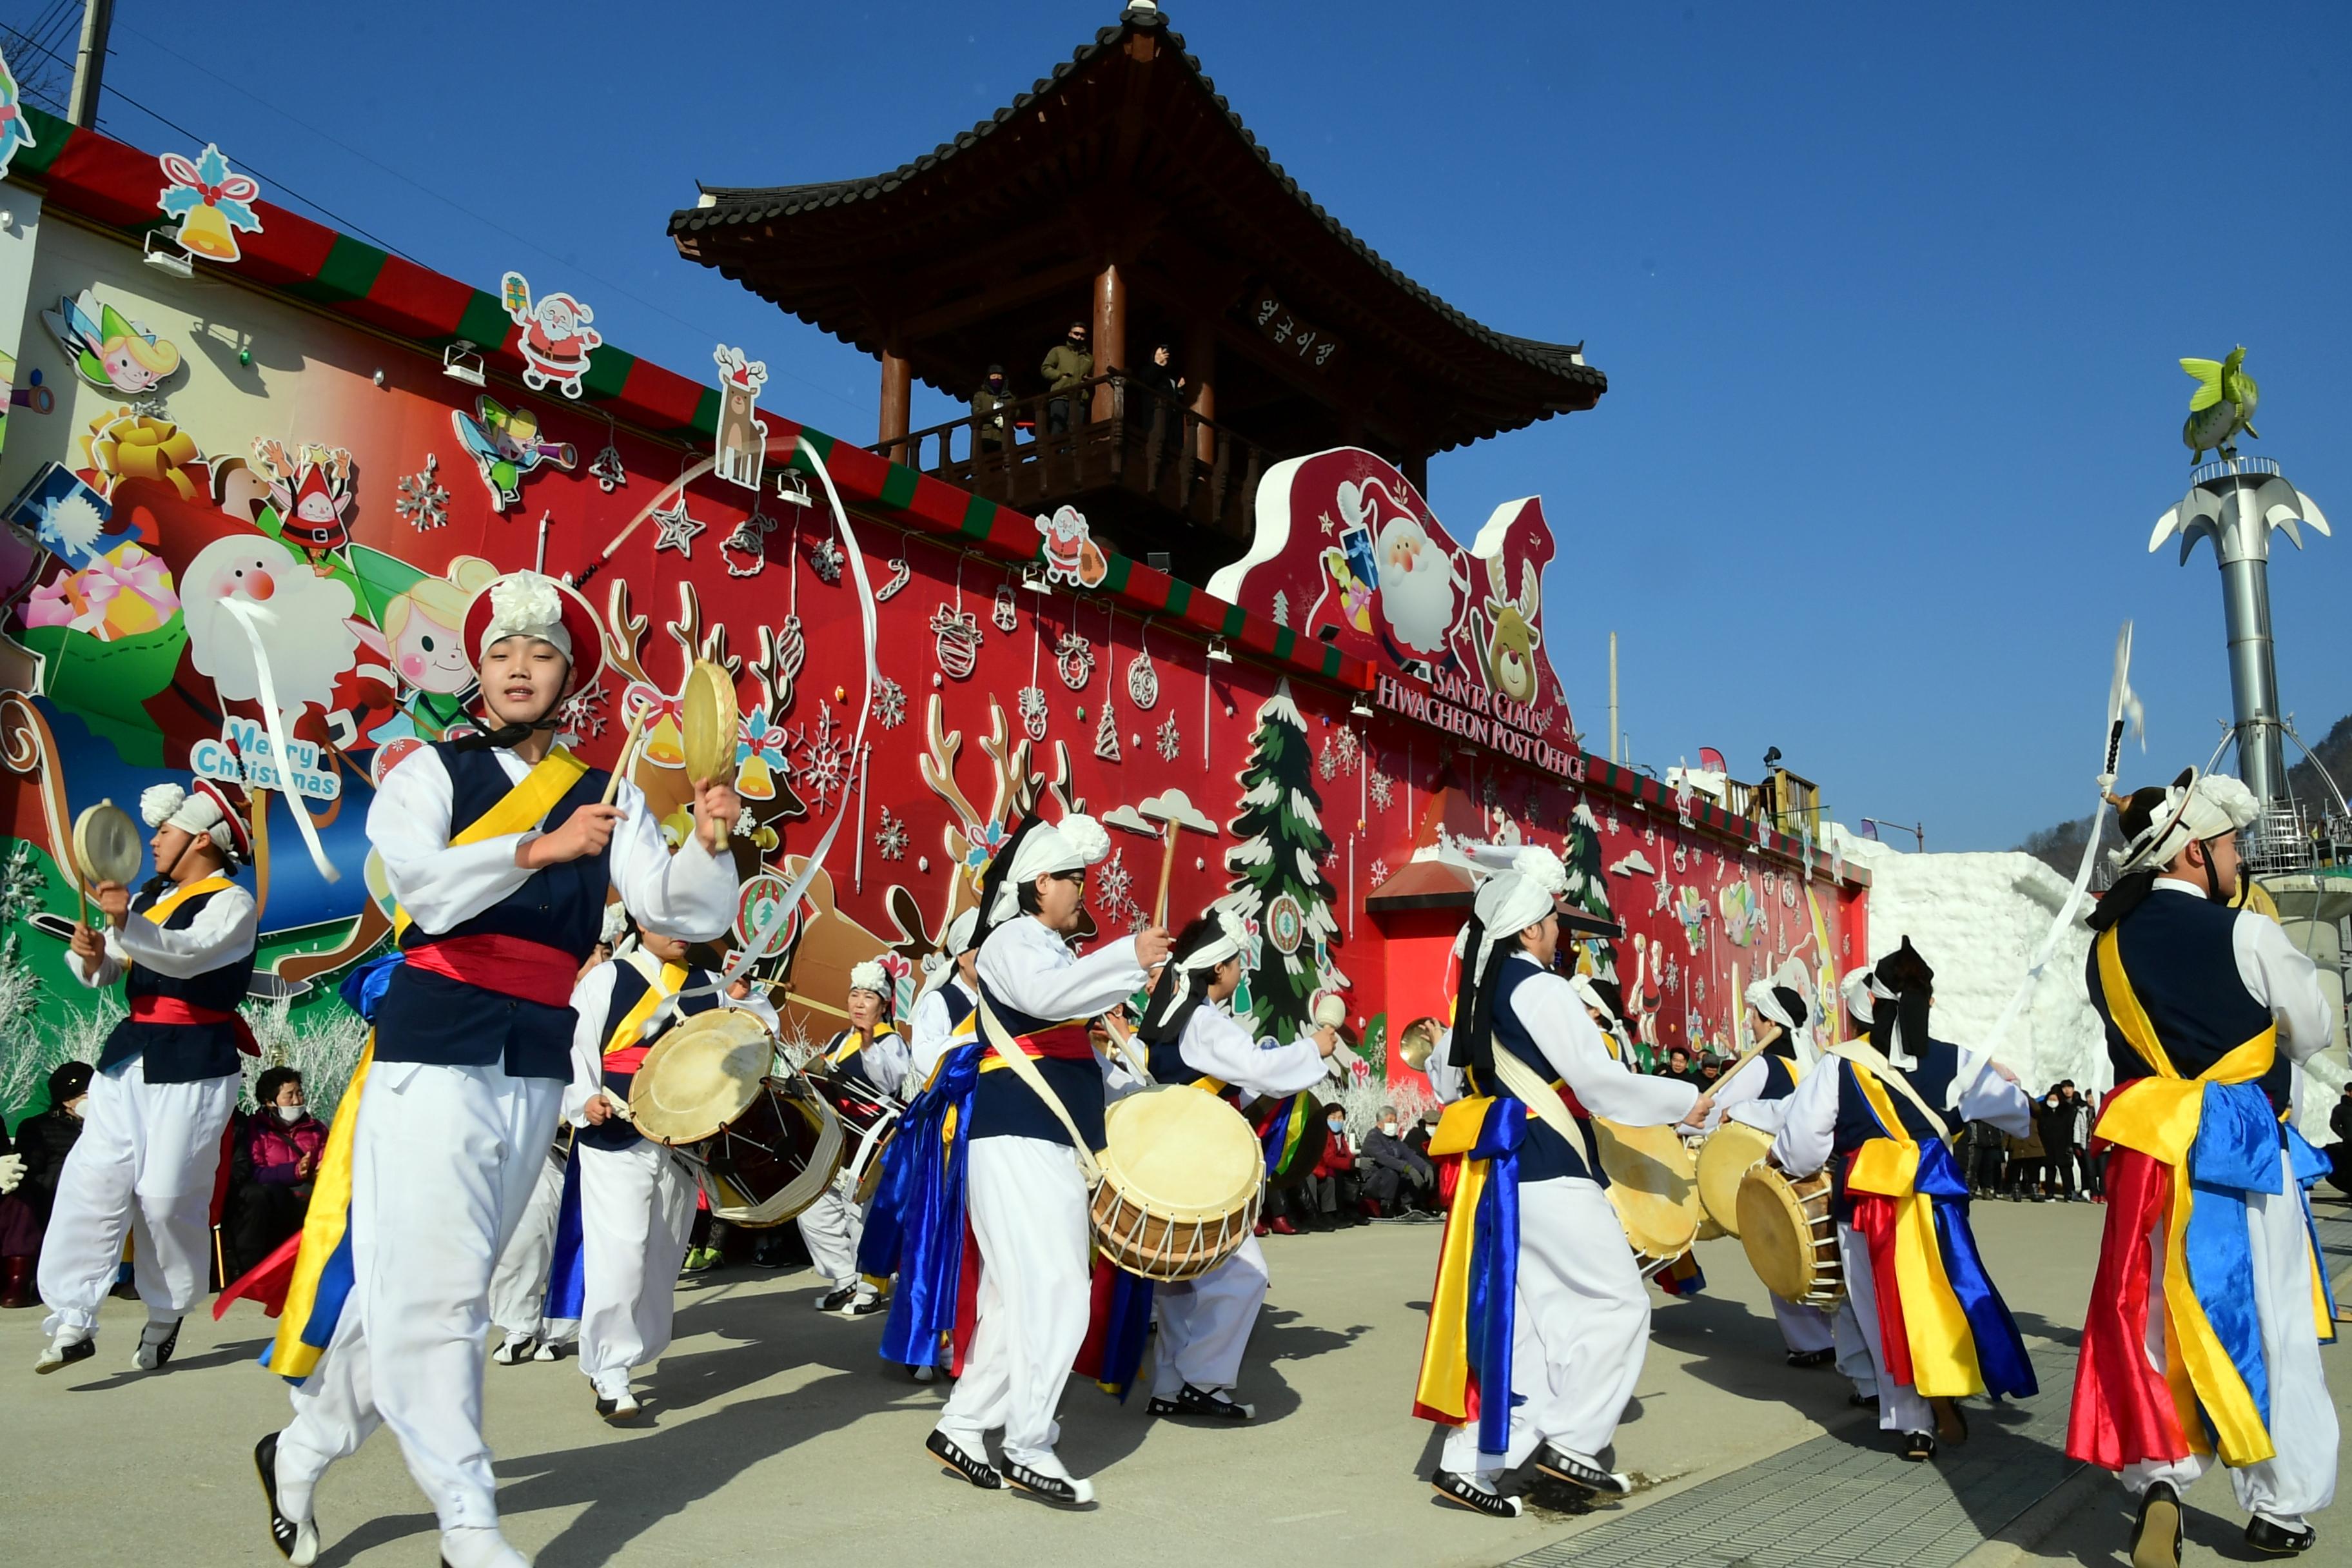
[(1943, 1347), (633, 1023), (2159, 1117), (522, 809), (1444, 1365), (853, 1042), (164, 905)]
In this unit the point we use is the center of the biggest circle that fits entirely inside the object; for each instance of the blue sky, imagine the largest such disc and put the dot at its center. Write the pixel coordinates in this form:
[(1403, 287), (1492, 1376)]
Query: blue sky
[(1889, 298)]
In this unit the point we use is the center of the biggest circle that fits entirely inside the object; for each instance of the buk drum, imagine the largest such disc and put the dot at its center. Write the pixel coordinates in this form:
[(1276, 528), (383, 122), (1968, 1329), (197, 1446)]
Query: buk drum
[(1652, 1187), (868, 1119), (1724, 1161), (1791, 1234), (1180, 1180), (761, 1148)]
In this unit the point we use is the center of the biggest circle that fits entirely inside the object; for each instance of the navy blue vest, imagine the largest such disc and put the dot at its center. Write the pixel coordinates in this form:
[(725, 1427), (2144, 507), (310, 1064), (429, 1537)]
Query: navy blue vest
[(1004, 1107), (1545, 1154), (1779, 1077), (959, 1005), (629, 988), (1856, 1125), (1168, 1065), (2180, 953), (427, 1017), (850, 1072), (179, 1052)]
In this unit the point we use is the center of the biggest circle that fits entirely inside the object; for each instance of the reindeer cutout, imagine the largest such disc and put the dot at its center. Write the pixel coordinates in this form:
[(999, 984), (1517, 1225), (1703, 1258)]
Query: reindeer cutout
[(742, 435), (1506, 655), (658, 766)]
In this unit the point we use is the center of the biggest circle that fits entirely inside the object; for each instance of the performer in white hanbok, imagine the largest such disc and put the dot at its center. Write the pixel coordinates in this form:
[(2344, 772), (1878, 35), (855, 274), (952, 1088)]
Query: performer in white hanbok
[(1563, 1324), (149, 1153), (1880, 1118), (519, 1283), (2211, 1300), (500, 852), (867, 1062), (626, 1212), (1191, 1038), (950, 996), (1025, 1194)]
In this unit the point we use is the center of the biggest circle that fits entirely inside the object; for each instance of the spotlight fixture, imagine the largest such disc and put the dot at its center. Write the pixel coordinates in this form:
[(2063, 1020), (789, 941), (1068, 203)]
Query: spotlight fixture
[(165, 257), (459, 362), (1218, 652)]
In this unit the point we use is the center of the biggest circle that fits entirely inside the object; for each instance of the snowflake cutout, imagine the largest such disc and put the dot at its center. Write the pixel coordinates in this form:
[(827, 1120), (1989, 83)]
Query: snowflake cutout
[(1114, 883), (749, 541), (820, 763), (828, 559), (1171, 741), (1074, 658), (1032, 703), (582, 714), (1351, 749), (422, 503), (889, 704), (1674, 978), (1328, 764), (1383, 791), (890, 839), (1380, 872), (676, 528), (607, 470)]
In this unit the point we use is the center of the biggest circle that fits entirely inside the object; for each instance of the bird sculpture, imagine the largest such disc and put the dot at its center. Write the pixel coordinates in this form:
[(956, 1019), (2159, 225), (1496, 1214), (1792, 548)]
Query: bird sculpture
[(2222, 405)]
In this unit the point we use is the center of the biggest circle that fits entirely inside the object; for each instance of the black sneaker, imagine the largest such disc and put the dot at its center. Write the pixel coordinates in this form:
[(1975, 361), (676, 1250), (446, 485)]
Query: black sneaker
[(1062, 1491), (1203, 1402), (835, 1300), (1863, 1400), (156, 1354), (1918, 1446), (56, 1357), (1459, 1491), (956, 1462), (1560, 1467), (1812, 1358), (2157, 1533), (297, 1541), (513, 1350), (2277, 1540)]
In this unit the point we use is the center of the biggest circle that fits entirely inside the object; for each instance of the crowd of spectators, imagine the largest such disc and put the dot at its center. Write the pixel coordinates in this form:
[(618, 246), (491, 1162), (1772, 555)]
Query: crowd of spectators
[(1387, 1175), (1068, 367)]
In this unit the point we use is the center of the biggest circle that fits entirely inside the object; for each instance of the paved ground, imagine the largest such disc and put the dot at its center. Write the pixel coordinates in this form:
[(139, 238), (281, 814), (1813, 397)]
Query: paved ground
[(770, 1429)]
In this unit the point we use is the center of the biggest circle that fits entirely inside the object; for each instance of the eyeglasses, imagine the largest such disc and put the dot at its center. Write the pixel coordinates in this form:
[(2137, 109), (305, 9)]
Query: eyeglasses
[(1077, 878)]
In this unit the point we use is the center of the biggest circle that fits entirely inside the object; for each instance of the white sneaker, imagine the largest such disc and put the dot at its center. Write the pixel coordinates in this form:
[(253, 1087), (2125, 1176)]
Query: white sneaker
[(69, 1347), (468, 1547), (549, 1349), (515, 1350)]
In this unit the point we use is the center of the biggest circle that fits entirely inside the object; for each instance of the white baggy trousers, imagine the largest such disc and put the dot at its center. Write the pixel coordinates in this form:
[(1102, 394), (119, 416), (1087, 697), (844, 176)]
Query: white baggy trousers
[(518, 1284), (1027, 1204), (443, 1162), (1900, 1406), (2300, 1480), (146, 1161), (831, 1228), (1206, 1324), (1581, 1330), (637, 1206)]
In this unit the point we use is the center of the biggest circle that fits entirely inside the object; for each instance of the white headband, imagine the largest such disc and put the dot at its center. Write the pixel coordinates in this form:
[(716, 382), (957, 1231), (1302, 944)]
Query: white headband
[(1072, 844), (2208, 807), (1585, 992), (191, 811), (525, 604), (1858, 988), (1231, 942)]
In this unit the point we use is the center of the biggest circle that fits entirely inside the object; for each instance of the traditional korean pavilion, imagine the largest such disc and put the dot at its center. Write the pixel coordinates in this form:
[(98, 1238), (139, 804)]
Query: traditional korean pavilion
[(1123, 192)]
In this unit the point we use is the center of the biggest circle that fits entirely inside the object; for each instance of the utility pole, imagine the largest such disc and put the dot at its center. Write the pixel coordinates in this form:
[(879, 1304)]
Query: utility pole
[(90, 62)]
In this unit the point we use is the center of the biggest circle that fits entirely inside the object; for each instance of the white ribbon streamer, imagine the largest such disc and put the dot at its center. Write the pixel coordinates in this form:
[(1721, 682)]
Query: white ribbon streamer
[(246, 616)]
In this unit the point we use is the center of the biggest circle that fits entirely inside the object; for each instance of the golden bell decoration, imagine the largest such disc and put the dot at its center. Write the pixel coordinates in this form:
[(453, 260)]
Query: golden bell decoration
[(205, 232), (754, 780), (664, 747)]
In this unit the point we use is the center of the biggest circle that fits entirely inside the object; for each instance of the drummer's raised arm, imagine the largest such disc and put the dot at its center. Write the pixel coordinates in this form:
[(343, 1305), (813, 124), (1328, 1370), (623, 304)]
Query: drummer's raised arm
[(1802, 1144), (690, 895), (1219, 1045), (1554, 1017)]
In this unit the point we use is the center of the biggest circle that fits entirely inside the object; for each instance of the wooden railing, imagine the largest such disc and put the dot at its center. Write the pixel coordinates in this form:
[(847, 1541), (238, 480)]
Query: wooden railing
[(1120, 435)]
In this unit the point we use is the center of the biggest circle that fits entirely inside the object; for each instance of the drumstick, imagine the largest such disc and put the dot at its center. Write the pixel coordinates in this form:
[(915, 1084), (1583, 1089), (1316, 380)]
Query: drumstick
[(621, 764), (1167, 870)]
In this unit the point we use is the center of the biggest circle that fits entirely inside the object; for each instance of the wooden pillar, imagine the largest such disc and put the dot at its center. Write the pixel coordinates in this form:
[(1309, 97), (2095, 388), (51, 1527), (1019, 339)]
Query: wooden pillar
[(898, 402), (1109, 331), (1200, 365), (1416, 468)]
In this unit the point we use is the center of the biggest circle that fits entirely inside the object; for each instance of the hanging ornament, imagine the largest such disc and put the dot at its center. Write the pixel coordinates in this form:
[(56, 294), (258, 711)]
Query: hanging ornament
[(1074, 658), (1006, 612), (745, 550), (422, 503), (608, 471), (1143, 681), (889, 704), (890, 838), (677, 528), (828, 559), (1169, 741), (900, 573), (956, 639), (1032, 703), (1107, 733)]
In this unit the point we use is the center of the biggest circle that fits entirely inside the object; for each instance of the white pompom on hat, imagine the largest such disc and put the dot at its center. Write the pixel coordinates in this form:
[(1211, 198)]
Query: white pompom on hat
[(204, 811), (533, 604), (870, 976)]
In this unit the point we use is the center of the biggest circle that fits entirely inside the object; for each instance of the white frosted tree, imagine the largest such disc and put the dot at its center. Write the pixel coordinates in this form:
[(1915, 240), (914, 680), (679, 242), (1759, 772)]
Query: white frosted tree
[(1276, 866)]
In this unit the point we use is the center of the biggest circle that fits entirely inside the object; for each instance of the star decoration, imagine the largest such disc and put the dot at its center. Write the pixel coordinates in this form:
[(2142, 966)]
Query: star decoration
[(677, 529)]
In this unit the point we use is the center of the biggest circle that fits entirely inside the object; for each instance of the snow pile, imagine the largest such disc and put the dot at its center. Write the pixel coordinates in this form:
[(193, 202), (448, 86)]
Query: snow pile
[(1977, 919)]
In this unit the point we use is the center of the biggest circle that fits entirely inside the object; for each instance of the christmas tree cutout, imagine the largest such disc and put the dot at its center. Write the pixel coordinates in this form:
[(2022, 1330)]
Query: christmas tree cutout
[(1277, 880), (1107, 733)]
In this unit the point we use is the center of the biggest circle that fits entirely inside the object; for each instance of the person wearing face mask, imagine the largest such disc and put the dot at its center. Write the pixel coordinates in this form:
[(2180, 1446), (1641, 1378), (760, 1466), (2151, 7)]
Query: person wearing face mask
[(989, 411), (1398, 1179), (2206, 1314), (43, 1141), (1880, 1118), (167, 1080), (1191, 1037), (1066, 366), (1334, 1203), (274, 1168)]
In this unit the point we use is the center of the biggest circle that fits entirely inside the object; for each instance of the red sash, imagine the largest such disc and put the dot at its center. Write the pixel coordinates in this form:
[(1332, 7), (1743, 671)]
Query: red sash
[(508, 965), (173, 1010), (1062, 1043)]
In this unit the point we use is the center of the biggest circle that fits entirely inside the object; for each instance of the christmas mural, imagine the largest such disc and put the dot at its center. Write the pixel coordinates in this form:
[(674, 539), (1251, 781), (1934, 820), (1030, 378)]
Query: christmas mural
[(1277, 860)]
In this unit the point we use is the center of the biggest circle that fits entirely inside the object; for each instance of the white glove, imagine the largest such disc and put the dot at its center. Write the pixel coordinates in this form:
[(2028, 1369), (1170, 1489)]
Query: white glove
[(12, 1171)]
